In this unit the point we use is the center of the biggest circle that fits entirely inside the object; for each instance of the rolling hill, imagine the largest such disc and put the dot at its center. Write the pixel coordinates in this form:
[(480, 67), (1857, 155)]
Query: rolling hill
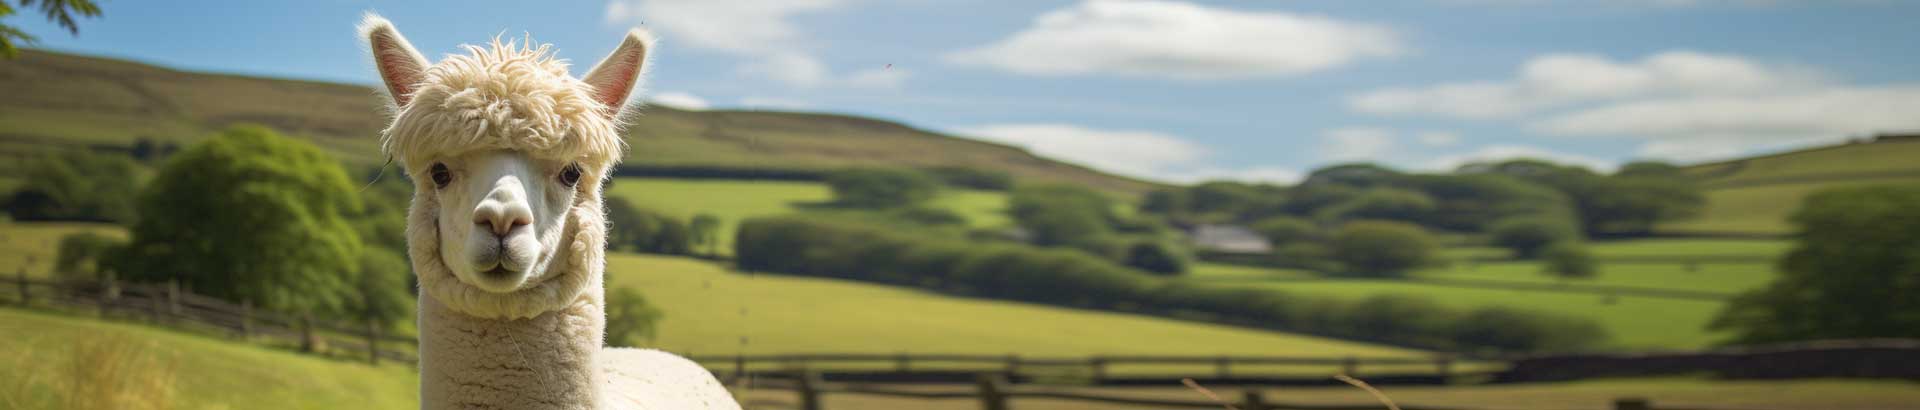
[(1756, 195), (73, 100)]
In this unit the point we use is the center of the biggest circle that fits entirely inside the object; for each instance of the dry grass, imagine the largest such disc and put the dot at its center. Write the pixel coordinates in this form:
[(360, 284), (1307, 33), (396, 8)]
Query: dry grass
[(113, 371)]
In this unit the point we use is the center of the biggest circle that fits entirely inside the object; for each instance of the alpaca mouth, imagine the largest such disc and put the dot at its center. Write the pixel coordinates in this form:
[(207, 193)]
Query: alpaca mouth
[(500, 272)]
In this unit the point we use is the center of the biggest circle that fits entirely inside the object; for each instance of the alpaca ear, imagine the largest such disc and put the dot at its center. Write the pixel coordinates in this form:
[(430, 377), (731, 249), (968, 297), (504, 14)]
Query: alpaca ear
[(614, 79), (401, 67)]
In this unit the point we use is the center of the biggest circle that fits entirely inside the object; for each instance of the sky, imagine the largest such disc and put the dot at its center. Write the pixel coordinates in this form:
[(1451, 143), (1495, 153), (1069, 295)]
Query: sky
[(1171, 90)]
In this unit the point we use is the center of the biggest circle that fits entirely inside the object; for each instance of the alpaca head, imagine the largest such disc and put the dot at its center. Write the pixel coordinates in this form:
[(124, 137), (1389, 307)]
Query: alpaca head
[(507, 152)]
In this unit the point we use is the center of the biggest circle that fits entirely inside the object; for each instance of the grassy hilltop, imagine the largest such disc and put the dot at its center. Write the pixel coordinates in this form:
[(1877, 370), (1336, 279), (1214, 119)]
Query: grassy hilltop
[(49, 98), (1755, 195)]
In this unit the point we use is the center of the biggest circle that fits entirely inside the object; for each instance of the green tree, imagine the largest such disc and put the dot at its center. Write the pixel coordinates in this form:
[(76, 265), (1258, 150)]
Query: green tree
[(881, 187), (1853, 272), (705, 229), (382, 295), (1568, 260), (1061, 214), (1281, 230), (1382, 203), (76, 186), (84, 256), (251, 215), (1382, 248), (630, 320), (58, 11), (1528, 235), (1157, 257)]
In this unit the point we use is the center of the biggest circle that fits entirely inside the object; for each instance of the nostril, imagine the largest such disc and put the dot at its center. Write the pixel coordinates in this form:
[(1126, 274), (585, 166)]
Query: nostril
[(520, 221)]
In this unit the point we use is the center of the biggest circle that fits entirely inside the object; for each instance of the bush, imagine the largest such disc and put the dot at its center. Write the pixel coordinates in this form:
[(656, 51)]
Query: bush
[(646, 231), (75, 186), (1282, 230), (972, 178), (83, 256), (1157, 257), (1569, 260), (1305, 255), (1500, 329), (1382, 248), (881, 188), (1851, 274), (1062, 214), (1528, 235), (630, 320), (1384, 204)]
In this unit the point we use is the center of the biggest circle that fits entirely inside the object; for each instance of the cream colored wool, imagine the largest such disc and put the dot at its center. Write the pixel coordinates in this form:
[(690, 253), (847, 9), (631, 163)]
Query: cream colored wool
[(539, 346)]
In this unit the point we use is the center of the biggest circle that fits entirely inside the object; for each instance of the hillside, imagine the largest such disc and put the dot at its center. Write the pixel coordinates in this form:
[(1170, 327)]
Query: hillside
[(72, 100), (1755, 195)]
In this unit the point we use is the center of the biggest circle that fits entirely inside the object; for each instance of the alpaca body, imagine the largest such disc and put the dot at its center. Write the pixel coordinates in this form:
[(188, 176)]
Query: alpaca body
[(506, 232)]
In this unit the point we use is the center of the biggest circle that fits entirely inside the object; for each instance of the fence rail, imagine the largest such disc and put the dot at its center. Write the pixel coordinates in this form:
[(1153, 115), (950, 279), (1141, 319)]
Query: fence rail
[(169, 304)]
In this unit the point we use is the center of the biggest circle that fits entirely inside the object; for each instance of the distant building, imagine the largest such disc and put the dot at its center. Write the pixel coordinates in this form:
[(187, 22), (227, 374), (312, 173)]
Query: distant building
[(1228, 239)]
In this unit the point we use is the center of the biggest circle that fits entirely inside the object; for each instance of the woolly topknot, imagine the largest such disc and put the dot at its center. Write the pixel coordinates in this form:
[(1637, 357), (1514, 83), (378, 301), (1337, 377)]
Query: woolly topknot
[(504, 96)]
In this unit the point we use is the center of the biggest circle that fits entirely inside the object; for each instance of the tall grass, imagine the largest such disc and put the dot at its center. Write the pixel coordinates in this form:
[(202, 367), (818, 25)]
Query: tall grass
[(113, 371)]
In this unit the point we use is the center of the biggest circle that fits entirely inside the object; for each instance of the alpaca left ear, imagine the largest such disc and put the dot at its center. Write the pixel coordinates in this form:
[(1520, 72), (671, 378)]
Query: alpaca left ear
[(401, 67), (614, 79)]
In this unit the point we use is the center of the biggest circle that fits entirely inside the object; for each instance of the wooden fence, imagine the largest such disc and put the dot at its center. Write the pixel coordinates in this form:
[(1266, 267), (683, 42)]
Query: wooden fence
[(1099, 369), (170, 305)]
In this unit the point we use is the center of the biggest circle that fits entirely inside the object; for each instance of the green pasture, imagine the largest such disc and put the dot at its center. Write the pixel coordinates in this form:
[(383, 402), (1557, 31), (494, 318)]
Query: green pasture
[(734, 200), (1713, 277), (1762, 209), (32, 246), (1837, 159), (47, 358)]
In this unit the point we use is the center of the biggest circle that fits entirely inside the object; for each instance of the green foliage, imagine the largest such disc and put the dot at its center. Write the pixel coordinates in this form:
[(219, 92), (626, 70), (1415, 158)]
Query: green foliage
[(85, 255), (1157, 257), (1473, 202), (251, 215), (630, 320), (60, 12), (1500, 329), (1061, 214), (1528, 235), (1283, 230), (881, 187), (1313, 256), (1629, 202), (641, 230), (382, 294), (1851, 274), (76, 186), (1382, 248), (972, 178), (705, 228), (1570, 260), (1361, 175), (1383, 204)]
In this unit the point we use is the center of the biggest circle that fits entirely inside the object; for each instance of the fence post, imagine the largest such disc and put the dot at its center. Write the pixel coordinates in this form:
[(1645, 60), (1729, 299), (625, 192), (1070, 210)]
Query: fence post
[(1222, 367), (739, 366), (173, 297), (25, 295), (902, 363), (373, 342), (109, 290), (1099, 366), (156, 303), (1013, 365), (1350, 366), (808, 387), (1443, 364), (1632, 403), (993, 391), (1253, 400), (246, 319), (306, 333)]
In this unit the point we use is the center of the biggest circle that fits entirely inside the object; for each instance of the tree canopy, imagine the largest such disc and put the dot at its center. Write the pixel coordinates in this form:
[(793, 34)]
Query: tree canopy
[(1853, 272)]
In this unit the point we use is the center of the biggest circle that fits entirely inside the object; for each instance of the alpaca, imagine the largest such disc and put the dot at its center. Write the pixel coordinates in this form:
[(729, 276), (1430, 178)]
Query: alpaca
[(506, 230)]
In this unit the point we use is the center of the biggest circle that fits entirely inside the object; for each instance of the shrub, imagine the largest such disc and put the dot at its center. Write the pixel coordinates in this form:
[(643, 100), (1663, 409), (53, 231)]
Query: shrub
[(1282, 230), (82, 256), (1501, 329), (965, 177), (630, 320), (1383, 203), (1569, 260), (647, 231), (1061, 214), (1528, 235), (1408, 320), (1382, 248), (1157, 257), (1305, 255), (881, 188), (75, 186)]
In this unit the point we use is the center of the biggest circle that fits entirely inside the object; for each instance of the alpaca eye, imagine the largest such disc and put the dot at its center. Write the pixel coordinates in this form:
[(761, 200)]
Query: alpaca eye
[(441, 176), (570, 175)]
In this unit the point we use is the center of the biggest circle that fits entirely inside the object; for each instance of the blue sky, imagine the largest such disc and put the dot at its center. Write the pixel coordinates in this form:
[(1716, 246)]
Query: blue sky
[(1173, 90)]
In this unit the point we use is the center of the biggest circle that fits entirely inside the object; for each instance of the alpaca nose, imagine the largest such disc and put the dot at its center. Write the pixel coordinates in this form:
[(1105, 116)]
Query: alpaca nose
[(503, 210)]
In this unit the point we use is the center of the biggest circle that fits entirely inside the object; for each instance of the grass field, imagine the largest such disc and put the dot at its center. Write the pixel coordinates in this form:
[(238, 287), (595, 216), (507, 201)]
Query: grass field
[(1756, 195), (33, 246), (1763, 208), (734, 200), (44, 356)]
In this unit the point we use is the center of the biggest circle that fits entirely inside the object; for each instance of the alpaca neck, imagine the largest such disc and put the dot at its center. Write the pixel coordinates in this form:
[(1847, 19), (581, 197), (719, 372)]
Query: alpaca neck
[(544, 362)]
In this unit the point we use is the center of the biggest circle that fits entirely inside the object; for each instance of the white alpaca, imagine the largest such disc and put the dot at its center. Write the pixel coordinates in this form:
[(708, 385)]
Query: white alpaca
[(506, 232)]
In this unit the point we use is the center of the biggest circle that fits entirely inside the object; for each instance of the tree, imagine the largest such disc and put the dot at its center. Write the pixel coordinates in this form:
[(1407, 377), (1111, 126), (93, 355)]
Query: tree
[(881, 188), (76, 186), (1382, 248), (1061, 214), (641, 230), (251, 215), (84, 255), (58, 11), (382, 294), (630, 320), (1281, 230), (1852, 272), (706, 232), (1568, 260), (1382, 203), (1157, 257), (1528, 235)]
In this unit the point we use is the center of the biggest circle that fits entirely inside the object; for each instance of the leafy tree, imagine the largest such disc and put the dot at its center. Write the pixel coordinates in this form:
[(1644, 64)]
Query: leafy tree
[(1361, 175), (706, 232), (1853, 272), (1528, 235), (641, 230), (1473, 202), (1569, 260), (1627, 202), (1061, 214), (966, 177), (1382, 248), (1169, 202), (1502, 329), (382, 295), (1157, 257), (58, 11), (1281, 230), (1382, 203), (76, 186), (251, 215), (881, 188), (84, 255), (630, 320)]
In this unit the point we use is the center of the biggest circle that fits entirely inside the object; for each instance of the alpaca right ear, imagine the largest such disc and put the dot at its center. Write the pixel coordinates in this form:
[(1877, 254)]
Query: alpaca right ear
[(401, 67)]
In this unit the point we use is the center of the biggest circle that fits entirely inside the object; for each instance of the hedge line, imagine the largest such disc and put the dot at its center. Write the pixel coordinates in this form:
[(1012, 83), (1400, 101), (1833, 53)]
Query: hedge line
[(956, 176), (799, 246)]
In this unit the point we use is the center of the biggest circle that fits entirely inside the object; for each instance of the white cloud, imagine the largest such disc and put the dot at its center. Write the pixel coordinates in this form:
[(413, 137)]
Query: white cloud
[(1356, 143), (1833, 112), (762, 32), (1560, 80), (1135, 153), (681, 100), (775, 103), (1158, 38), (1500, 152), (885, 77), (1438, 138)]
